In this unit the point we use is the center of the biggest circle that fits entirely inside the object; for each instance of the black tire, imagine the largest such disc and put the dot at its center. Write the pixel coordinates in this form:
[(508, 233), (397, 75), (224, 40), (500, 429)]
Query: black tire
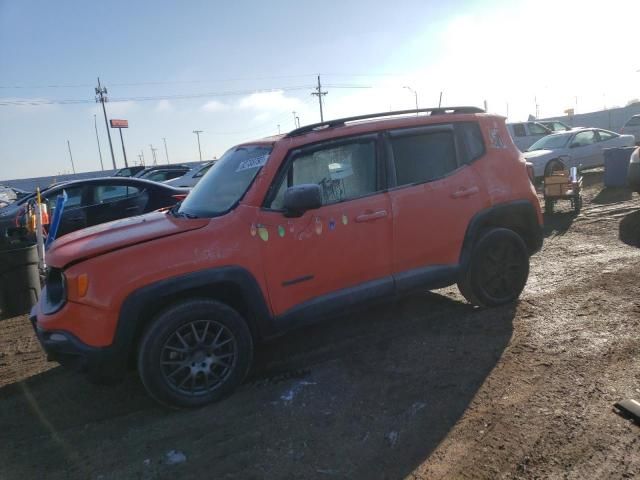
[(577, 204), (498, 270), (548, 206), (193, 353)]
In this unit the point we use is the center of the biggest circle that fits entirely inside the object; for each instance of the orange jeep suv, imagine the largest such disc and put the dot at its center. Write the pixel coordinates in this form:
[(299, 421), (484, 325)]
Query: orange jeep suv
[(287, 230)]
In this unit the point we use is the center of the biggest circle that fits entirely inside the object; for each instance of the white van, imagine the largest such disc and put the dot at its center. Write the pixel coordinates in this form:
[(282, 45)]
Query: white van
[(525, 134)]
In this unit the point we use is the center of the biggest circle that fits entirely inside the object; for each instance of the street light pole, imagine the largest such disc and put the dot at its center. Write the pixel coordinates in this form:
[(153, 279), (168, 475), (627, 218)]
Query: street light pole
[(166, 152), (198, 132), (95, 125), (71, 157), (416, 97)]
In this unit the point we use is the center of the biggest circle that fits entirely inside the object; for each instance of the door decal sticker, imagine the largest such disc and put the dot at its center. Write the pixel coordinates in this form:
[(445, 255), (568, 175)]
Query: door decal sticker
[(263, 233), (318, 226), (345, 219), (332, 224), (281, 230)]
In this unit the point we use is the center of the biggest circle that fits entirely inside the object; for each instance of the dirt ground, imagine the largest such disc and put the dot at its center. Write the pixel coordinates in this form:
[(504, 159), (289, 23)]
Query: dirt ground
[(424, 388)]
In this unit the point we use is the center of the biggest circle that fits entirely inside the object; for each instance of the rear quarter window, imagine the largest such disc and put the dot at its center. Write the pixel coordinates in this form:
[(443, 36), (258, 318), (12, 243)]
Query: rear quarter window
[(470, 141)]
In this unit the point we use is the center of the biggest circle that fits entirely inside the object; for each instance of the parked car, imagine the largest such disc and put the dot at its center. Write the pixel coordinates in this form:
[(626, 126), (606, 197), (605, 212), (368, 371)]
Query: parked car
[(285, 231), (146, 171), (94, 201), (581, 147), (193, 176), (10, 194), (524, 134), (632, 127), (555, 125), (633, 177), (128, 171)]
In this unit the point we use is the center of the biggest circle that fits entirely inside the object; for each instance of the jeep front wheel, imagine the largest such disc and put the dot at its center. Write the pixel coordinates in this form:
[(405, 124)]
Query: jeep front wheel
[(194, 353), (498, 269)]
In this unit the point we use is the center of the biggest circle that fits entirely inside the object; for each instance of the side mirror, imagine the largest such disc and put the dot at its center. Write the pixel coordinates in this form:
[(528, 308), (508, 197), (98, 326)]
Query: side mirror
[(301, 198)]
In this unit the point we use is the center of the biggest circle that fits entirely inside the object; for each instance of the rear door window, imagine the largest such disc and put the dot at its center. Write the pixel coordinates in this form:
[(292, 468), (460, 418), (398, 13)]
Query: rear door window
[(423, 157), (535, 129), (633, 122), (113, 193), (604, 135)]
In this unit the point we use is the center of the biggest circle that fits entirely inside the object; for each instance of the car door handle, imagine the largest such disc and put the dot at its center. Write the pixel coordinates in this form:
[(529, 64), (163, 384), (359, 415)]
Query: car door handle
[(131, 209), (368, 217), (465, 192)]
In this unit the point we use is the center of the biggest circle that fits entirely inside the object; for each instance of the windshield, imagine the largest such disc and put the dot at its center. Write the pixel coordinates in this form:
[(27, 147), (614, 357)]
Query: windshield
[(222, 187), (550, 142)]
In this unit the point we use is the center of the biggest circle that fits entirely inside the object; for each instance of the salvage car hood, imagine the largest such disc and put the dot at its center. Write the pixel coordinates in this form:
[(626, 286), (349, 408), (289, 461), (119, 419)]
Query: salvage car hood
[(539, 154), (107, 237)]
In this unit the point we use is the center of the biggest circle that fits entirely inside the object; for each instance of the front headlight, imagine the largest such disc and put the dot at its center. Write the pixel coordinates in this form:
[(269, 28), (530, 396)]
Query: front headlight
[(635, 156), (55, 291)]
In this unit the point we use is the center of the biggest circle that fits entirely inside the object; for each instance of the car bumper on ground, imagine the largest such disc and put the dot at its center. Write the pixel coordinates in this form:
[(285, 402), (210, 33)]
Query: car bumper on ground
[(102, 365), (633, 176)]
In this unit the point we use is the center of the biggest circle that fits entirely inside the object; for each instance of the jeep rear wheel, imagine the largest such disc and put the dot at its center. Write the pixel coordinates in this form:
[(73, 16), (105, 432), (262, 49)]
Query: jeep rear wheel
[(498, 270), (194, 353)]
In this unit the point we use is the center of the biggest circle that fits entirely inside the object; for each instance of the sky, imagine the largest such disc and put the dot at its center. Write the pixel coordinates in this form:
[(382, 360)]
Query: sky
[(238, 70)]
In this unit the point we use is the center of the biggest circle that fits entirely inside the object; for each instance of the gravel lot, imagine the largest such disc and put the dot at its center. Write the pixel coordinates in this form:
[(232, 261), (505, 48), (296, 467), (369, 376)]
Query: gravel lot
[(423, 388)]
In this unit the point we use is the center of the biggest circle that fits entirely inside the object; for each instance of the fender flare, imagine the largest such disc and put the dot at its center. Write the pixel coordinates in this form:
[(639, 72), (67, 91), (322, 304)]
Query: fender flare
[(519, 215), (136, 309)]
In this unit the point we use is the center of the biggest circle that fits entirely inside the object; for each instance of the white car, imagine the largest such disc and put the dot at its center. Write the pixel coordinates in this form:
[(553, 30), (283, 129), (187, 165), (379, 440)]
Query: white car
[(193, 176), (524, 134), (632, 127), (582, 148)]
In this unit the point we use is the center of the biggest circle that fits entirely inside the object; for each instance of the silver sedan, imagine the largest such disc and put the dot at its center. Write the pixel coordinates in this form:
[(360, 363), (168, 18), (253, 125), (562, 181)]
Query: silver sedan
[(582, 148)]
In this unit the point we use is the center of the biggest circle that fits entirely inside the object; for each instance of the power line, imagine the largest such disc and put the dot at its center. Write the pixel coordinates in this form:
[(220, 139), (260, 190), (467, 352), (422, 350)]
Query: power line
[(39, 102)]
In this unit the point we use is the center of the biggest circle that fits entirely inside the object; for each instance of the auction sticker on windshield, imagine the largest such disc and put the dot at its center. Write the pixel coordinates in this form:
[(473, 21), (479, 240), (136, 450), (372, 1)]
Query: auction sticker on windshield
[(252, 163)]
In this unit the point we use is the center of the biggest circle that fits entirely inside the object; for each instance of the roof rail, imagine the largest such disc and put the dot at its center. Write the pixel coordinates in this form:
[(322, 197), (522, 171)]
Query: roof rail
[(342, 121)]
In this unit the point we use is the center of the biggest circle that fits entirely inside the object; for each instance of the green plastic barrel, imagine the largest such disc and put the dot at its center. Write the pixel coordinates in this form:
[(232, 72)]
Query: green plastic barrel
[(19, 280)]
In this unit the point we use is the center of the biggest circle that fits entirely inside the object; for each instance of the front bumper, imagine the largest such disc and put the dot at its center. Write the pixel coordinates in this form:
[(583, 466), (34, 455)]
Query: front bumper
[(633, 176), (101, 364)]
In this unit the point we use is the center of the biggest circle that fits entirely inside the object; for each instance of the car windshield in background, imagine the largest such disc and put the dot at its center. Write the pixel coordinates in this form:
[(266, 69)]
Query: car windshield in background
[(550, 142), (222, 187), (633, 122)]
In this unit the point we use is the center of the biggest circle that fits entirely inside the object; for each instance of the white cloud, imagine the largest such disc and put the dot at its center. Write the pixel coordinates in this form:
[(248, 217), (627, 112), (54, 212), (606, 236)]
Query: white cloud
[(275, 101), (119, 109), (213, 106), (164, 106)]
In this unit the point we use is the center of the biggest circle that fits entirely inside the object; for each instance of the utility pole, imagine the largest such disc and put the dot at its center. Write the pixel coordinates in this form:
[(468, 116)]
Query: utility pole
[(153, 154), (440, 101), (101, 97), (295, 123), (95, 125), (198, 132), (142, 154), (124, 153), (415, 95), (535, 99), (166, 152), (319, 94), (278, 129), (141, 158), (71, 157)]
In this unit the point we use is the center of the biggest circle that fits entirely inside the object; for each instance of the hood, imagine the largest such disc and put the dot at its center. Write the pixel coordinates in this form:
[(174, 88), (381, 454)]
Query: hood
[(107, 237), (538, 153)]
